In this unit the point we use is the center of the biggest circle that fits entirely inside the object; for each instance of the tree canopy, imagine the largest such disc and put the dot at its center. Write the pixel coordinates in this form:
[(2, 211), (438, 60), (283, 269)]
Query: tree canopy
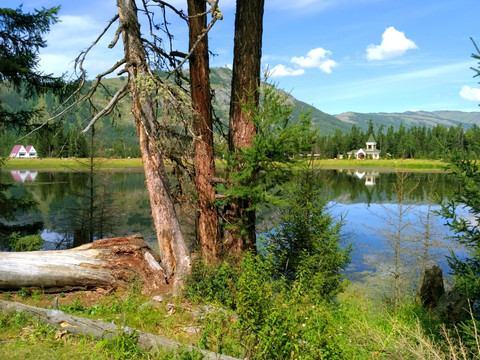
[(21, 38)]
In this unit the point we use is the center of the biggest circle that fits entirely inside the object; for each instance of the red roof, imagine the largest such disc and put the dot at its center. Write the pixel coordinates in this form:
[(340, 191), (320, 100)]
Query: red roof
[(15, 150)]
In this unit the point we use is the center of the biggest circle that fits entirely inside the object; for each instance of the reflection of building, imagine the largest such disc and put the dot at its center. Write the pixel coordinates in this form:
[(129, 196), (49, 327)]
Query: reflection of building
[(369, 176), (19, 151), (359, 174), (371, 151), (370, 180), (23, 175)]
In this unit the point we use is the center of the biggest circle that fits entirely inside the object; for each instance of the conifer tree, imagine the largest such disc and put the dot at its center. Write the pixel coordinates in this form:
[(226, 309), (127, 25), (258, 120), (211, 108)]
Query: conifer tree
[(21, 37)]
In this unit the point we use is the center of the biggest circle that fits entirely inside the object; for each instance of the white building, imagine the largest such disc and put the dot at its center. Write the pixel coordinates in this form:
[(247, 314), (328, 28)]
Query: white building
[(19, 151)]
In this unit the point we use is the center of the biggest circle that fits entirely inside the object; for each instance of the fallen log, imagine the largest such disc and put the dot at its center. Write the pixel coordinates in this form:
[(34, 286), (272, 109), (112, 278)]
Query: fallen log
[(102, 330), (106, 263)]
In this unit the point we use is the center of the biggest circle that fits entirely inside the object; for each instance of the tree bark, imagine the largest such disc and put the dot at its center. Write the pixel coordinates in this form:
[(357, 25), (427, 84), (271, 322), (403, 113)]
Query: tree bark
[(207, 222), (247, 55), (101, 330), (173, 249), (105, 263)]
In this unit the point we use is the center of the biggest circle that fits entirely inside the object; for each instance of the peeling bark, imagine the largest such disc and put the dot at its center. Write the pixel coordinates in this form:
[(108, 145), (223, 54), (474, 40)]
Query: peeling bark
[(207, 222), (173, 249), (247, 54)]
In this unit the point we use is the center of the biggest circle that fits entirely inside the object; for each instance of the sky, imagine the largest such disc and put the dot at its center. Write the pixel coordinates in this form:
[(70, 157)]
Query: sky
[(337, 55)]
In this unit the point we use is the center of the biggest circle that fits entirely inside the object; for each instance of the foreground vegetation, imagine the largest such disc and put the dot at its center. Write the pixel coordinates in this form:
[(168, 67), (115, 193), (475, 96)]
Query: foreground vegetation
[(289, 301), (293, 326)]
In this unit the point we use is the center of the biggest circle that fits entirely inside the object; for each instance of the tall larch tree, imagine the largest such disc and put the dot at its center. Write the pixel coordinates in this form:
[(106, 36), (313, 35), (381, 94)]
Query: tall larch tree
[(247, 55), (207, 220)]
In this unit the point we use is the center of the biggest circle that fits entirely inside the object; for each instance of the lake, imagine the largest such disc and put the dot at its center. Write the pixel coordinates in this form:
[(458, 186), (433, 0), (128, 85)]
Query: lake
[(366, 200)]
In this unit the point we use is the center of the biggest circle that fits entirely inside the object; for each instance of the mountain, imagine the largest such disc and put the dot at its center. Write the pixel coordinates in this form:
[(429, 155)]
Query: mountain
[(411, 118), (327, 124), (221, 79)]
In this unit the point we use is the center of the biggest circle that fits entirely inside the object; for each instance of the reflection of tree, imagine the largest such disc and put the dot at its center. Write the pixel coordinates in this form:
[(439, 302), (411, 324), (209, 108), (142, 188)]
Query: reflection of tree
[(429, 240), (94, 212), (13, 201), (397, 234), (383, 190)]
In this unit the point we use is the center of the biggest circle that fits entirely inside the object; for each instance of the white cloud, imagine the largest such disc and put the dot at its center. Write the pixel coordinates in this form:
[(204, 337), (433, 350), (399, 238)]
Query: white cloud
[(469, 93), (394, 44), (282, 70), (69, 37), (315, 58)]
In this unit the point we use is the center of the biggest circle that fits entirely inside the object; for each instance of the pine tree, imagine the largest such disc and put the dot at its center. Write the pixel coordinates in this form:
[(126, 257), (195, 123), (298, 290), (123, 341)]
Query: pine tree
[(21, 37)]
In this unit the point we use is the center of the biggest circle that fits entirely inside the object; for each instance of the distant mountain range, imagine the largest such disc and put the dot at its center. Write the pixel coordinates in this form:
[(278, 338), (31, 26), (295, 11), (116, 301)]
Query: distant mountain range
[(412, 118), (326, 123)]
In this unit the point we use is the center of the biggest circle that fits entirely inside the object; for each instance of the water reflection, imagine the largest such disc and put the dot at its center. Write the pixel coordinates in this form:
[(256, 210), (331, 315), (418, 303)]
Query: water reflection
[(369, 176), (23, 175), (358, 195)]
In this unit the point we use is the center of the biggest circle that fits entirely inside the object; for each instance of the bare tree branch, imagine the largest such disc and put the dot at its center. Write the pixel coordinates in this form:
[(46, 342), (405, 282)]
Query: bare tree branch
[(174, 9), (107, 109), (204, 33), (80, 100)]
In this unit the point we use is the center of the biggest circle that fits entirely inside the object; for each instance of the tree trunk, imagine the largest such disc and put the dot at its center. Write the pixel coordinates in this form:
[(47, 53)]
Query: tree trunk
[(100, 330), (247, 54), (207, 222), (173, 249), (106, 263)]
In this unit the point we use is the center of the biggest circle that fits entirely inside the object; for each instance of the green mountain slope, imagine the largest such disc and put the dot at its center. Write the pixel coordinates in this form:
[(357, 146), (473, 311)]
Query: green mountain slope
[(120, 123)]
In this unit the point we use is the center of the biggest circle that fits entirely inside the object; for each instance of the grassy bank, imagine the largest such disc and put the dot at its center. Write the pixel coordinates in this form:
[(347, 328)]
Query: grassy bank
[(108, 164), (392, 164), (71, 163), (355, 327)]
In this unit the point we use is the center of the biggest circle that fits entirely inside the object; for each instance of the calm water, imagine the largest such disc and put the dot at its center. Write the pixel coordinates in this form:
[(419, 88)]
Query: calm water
[(366, 200)]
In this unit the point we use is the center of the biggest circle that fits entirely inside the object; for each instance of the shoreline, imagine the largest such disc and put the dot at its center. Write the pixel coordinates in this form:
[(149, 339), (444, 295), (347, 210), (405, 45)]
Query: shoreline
[(135, 164)]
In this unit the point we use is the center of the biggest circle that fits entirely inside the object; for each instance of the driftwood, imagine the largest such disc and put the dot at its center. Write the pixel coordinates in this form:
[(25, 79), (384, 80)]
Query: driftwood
[(102, 330), (105, 263)]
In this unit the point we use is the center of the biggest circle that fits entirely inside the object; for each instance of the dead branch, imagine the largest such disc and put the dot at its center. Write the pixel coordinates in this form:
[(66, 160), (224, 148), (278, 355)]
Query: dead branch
[(107, 109), (199, 39), (101, 330)]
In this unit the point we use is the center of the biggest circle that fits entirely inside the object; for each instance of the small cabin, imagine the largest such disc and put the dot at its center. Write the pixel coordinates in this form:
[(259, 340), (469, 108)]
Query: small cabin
[(21, 152), (31, 152)]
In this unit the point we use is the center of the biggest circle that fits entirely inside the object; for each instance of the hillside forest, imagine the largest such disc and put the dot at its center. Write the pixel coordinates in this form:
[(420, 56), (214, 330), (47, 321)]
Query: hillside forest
[(114, 137)]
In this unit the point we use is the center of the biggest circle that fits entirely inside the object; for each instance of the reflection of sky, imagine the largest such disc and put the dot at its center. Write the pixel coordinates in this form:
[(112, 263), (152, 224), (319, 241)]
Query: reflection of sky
[(364, 226)]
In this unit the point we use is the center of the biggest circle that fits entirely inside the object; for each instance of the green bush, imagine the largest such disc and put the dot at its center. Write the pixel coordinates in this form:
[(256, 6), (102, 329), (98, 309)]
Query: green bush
[(306, 246), (212, 284), (26, 243)]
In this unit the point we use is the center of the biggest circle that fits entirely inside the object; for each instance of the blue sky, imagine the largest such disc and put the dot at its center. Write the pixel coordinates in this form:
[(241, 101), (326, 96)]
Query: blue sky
[(338, 55)]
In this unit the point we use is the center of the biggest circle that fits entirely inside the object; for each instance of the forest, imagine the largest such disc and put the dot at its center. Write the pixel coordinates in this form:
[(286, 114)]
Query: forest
[(437, 142)]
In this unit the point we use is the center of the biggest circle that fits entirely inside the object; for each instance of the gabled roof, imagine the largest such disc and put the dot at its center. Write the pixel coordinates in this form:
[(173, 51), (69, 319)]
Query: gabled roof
[(16, 149), (30, 148)]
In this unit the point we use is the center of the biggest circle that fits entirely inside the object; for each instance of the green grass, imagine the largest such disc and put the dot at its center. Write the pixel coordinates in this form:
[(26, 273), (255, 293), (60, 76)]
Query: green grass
[(23, 337), (70, 163), (109, 164), (395, 164), (362, 327)]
